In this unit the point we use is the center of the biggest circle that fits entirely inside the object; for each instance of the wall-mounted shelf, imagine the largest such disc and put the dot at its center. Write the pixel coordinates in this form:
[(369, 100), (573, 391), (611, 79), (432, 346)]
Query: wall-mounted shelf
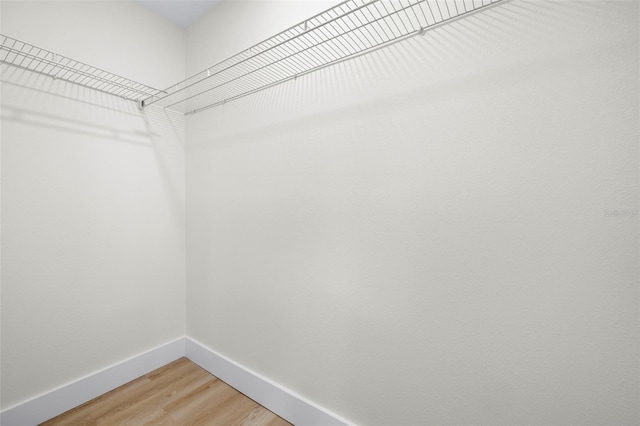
[(348, 29), (27, 56)]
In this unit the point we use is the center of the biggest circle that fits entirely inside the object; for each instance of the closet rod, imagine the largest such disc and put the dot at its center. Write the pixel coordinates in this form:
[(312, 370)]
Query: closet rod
[(26, 56), (349, 29)]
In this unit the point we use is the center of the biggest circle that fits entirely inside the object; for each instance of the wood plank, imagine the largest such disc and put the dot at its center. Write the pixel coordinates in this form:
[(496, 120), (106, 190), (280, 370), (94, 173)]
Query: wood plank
[(178, 394)]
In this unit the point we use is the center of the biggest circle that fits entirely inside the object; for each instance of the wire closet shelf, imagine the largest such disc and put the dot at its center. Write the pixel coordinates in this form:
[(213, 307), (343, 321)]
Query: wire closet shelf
[(348, 29), (33, 58)]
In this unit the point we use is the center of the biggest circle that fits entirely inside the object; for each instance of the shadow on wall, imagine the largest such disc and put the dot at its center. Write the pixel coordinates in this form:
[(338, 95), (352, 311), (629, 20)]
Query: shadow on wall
[(438, 95), (167, 134), (39, 84), (36, 100), (442, 56), (167, 121), (369, 71), (77, 115), (64, 124)]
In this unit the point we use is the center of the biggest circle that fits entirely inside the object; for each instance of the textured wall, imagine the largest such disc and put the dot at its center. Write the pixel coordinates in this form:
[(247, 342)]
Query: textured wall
[(428, 234), (93, 268)]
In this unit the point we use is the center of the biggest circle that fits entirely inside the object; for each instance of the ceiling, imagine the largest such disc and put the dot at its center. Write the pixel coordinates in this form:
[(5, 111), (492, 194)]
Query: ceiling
[(183, 13)]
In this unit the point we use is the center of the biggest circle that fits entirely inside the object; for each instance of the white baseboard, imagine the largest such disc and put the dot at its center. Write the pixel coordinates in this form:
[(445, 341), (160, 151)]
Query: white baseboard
[(282, 401), (64, 398)]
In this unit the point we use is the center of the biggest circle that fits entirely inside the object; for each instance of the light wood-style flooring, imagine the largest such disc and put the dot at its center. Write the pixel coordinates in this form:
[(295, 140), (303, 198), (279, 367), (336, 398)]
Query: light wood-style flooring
[(180, 393)]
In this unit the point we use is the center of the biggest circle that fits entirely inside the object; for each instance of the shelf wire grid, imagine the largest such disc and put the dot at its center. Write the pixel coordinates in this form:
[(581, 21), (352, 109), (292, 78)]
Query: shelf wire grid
[(348, 29), (36, 59)]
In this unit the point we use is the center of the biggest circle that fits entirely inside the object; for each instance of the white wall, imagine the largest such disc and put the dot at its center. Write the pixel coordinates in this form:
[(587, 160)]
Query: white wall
[(423, 235), (93, 268)]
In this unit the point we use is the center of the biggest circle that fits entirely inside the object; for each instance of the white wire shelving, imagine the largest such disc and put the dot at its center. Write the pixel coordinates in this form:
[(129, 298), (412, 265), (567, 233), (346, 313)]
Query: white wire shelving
[(348, 29), (36, 59)]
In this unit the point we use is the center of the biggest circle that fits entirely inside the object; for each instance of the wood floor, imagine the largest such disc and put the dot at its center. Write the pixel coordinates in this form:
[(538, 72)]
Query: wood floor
[(180, 393)]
